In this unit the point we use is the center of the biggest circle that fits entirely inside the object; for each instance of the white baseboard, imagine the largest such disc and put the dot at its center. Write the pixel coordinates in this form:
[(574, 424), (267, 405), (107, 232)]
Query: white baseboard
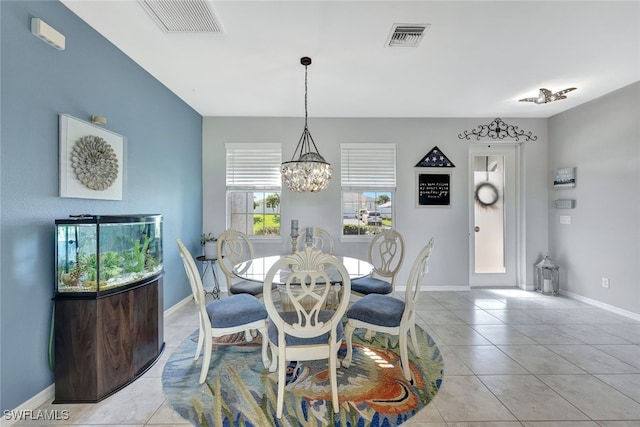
[(452, 288), (437, 288), (527, 287), (48, 394), (177, 306), (596, 303), (19, 414)]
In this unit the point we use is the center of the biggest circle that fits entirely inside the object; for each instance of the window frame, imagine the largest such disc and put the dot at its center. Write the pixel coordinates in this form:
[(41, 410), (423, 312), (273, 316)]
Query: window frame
[(240, 181), (359, 182)]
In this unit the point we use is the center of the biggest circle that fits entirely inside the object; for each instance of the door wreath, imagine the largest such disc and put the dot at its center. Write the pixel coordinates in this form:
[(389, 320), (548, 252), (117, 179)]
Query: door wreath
[(486, 195)]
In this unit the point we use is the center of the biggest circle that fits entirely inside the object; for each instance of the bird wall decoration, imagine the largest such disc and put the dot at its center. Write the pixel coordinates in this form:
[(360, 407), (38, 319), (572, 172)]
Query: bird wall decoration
[(546, 96)]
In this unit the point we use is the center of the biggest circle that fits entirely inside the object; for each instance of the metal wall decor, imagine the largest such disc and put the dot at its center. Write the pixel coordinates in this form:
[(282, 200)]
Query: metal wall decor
[(497, 129)]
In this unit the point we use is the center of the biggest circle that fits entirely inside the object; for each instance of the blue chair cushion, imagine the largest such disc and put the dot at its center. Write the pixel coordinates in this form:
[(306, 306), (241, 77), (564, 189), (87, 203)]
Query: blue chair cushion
[(248, 287), (370, 285), (378, 310), (292, 317), (235, 310)]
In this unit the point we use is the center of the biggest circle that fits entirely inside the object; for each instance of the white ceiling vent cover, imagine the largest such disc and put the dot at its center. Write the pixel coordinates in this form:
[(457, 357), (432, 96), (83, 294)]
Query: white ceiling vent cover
[(406, 35), (183, 16)]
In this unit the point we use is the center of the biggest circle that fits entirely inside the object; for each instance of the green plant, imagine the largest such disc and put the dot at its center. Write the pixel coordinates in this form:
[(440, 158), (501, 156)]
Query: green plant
[(209, 237), (90, 265), (79, 271), (110, 265), (150, 262), (267, 231), (352, 229), (134, 262)]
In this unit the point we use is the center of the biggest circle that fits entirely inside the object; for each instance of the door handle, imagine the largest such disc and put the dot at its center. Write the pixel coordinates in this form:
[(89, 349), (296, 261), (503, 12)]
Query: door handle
[(476, 228)]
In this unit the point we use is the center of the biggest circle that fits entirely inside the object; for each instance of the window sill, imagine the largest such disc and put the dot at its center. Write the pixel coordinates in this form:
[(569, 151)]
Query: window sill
[(266, 239), (356, 239)]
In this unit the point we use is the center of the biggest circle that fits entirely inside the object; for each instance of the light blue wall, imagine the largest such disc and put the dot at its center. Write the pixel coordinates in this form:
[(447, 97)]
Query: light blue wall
[(163, 171)]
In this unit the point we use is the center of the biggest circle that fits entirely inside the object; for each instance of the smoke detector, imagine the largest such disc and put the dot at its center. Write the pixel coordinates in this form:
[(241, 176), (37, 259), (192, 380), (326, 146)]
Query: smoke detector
[(183, 16), (406, 35)]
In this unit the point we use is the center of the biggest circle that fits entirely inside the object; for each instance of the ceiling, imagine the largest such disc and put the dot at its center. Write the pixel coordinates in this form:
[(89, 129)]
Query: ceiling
[(476, 59)]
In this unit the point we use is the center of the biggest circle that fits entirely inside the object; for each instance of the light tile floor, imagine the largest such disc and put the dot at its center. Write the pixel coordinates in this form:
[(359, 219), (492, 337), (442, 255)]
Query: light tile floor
[(512, 358)]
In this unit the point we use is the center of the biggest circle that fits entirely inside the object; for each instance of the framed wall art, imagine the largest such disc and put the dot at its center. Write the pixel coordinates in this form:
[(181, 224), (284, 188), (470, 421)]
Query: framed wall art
[(92, 160), (564, 178), (433, 189)]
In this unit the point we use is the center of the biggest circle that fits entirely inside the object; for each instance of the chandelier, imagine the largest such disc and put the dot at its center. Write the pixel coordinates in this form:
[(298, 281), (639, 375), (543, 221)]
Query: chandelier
[(307, 171)]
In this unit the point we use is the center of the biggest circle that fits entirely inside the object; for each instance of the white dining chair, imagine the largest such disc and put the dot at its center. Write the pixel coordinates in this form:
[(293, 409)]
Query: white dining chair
[(235, 249), (320, 238), (386, 254), (310, 331), (387, 314), (234, 314)]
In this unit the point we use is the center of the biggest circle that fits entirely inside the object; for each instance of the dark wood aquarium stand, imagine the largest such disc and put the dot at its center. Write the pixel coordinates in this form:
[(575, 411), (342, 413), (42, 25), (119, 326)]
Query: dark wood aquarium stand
[(105, 342)]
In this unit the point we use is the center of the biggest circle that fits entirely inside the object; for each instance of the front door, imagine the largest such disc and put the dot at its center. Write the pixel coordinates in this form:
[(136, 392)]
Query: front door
[(494, 191)]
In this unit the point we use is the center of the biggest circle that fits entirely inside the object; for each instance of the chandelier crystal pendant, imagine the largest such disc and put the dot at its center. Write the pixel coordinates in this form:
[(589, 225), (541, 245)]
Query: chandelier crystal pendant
[(307, 171)]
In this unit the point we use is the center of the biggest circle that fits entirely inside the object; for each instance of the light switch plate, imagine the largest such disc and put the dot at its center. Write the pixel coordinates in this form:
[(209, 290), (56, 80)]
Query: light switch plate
[(565, 219)]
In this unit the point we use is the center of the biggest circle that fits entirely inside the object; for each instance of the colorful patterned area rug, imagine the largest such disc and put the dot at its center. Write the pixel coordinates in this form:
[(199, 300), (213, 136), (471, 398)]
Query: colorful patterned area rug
[(240, 392)]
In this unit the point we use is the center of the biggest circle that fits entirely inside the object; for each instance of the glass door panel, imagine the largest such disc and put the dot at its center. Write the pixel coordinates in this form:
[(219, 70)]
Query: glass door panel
[(489, 214)]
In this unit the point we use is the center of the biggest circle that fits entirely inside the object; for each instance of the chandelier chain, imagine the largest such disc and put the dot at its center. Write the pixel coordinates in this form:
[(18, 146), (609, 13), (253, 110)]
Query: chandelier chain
[(305, 96), (307, 171)]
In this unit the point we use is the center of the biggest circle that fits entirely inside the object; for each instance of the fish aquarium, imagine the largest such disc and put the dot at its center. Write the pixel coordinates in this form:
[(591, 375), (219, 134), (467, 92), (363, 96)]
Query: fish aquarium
[(102, 253)]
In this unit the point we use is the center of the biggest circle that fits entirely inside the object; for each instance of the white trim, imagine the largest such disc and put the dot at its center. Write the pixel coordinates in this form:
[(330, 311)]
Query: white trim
[(506, 149), (527, 286), (45, 396), (356, 238), (599, 304), (48, 394), (444, 288), (521, 220), (177, 306)]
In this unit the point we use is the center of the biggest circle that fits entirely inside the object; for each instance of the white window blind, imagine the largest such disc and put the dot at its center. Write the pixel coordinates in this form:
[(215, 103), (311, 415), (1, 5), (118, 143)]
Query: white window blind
[(253, 165), (367, 165)]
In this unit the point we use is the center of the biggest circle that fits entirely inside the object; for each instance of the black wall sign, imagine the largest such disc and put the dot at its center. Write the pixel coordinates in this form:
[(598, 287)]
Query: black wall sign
[(434, 189)]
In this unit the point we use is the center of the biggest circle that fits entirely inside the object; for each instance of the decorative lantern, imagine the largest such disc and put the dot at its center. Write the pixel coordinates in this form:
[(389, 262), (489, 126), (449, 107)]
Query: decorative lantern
[(547, 277)]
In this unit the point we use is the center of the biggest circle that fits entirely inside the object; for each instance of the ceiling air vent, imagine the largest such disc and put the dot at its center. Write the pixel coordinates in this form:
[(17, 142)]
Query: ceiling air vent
[(406, 35), (183, 16)]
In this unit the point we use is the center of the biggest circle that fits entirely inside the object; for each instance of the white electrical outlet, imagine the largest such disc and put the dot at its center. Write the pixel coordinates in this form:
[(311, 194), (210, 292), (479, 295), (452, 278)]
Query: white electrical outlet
[(605, 282)]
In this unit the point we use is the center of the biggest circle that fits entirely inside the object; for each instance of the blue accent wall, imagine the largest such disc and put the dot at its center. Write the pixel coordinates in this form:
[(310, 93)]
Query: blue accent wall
[(163, 171)]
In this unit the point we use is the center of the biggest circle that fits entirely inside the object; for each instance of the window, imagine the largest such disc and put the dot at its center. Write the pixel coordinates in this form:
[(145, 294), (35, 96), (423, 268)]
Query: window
[(368, 187), (253, 188)]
